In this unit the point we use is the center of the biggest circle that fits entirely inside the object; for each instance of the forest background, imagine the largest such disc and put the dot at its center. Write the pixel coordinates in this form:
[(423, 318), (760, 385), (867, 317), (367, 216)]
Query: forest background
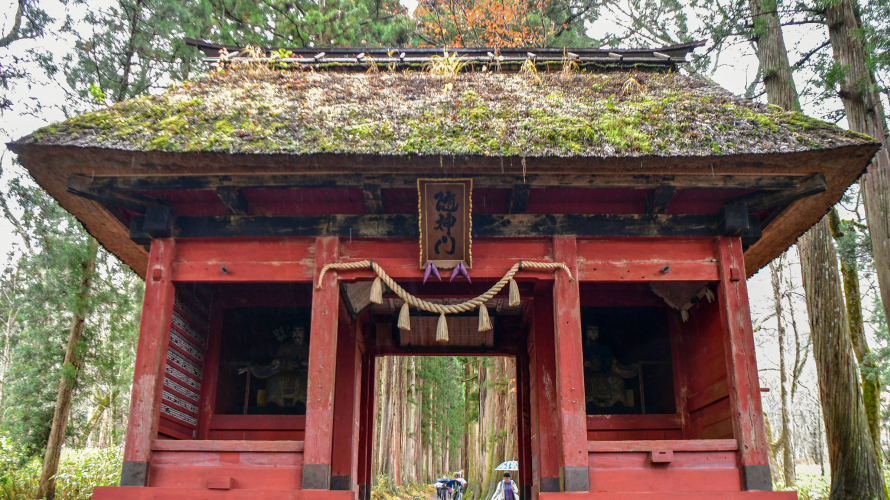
[(69, 311)]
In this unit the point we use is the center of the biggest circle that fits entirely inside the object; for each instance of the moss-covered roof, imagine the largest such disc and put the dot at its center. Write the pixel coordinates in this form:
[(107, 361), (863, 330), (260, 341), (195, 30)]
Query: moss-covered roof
[(479, 113)]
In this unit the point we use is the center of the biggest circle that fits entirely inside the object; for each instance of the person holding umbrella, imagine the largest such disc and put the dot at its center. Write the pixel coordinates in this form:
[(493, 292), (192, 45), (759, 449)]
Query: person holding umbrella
[(506, 489)]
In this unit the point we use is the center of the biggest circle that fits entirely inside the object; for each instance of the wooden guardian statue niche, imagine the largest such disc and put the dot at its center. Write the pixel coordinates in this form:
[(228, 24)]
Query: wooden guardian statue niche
[(265, 359), (446, 222)]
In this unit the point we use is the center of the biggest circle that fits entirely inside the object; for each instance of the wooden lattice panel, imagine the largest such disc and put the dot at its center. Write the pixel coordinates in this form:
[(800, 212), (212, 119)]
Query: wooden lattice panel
[(189, 327)]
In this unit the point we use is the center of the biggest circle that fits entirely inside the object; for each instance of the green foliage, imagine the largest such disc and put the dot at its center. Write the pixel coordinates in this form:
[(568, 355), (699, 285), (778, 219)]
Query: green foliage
[(385, 489), (445, 373), (305, 23), (39, 296), (79, 471), (812, 487)]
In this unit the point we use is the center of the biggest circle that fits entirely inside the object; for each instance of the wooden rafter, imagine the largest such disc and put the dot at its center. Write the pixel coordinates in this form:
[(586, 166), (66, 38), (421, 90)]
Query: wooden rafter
[(601, 181)]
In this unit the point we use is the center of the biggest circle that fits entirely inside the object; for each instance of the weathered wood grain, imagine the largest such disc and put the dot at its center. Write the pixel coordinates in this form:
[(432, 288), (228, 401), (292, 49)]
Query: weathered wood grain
[(309, 181), (484, 225), (151, 353)]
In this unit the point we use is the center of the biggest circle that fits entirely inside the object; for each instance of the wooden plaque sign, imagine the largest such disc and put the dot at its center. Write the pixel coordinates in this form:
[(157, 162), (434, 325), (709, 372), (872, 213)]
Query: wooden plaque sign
[(446, 223)]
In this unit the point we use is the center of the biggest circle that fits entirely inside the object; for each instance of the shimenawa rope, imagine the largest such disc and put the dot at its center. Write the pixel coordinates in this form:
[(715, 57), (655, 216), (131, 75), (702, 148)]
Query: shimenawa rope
[(442, 309)]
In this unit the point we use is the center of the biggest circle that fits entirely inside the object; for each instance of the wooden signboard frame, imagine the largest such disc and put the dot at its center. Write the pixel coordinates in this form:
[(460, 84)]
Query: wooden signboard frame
[(445, 219)]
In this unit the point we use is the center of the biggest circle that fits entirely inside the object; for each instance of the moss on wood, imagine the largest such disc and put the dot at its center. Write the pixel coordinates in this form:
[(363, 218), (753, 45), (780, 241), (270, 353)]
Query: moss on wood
[(492, 114)]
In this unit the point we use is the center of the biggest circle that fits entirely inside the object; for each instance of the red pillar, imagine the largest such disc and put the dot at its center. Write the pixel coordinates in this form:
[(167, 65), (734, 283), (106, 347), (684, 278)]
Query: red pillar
[(574, 472), (151, 357), (322, 369), (346, 404), (366, 426), (741, 366), (543, 397), (523, 413)]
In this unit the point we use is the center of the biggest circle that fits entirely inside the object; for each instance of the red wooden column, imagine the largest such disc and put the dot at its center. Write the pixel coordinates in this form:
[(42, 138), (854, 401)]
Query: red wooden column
[(574, 469), (322, 369), (542, 396), (366, 426), (151, 357), (523, 413), (741, 366), (344, 461)]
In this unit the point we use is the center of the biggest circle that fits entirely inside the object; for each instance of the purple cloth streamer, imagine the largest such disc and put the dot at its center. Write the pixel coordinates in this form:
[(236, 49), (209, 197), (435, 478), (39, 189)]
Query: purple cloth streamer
[(430, 269), (460, 269)]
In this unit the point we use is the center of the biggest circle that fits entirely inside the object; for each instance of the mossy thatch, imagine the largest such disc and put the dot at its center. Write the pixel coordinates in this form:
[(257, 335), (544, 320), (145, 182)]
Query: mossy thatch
[(490, 114)]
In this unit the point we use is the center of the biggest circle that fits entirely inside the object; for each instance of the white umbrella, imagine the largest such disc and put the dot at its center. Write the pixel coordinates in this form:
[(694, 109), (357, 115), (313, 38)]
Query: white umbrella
[(508, 465)]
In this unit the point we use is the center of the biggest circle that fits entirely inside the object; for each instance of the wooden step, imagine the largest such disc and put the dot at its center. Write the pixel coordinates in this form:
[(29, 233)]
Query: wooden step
[(674, 495), (149, 493)]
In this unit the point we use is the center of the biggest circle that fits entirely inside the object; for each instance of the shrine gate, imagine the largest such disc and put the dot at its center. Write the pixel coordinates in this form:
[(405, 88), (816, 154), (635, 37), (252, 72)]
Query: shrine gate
[(598, 216)]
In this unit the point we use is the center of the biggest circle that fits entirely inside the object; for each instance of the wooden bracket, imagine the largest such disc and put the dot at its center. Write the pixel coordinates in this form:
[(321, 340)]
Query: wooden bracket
[(373, 198), (661, 457), (220, 483), (158, 222), (82, 185), (733, 219), (519, 198), (137, 234), (658, 201), (233, 199), (811, 185), (755, 232)]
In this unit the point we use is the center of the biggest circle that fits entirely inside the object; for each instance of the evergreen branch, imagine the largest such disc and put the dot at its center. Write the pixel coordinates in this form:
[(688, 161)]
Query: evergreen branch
[(14, 32), (806, 57)]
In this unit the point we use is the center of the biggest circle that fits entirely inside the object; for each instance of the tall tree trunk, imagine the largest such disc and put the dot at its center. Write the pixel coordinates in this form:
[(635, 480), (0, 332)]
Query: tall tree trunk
[(855, 474), (871, 389), (775, 270), (70, 369), (4, 363), (865, 114), (773, 56)]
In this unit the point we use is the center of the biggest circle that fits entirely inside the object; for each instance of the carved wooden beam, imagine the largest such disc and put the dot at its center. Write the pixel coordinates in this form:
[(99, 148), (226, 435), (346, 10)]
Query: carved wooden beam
[(593, 181), (484, 225)]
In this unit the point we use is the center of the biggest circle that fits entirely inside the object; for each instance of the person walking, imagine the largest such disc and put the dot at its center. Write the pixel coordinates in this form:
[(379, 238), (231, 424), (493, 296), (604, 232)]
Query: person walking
[(506, 489)]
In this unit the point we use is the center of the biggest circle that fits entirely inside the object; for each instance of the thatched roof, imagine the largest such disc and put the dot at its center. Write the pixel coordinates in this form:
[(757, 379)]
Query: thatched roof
[(481, 123), (619, 114)]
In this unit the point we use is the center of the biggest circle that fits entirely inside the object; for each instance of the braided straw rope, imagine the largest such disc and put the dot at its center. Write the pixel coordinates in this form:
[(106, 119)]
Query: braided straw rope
[(440, 308)]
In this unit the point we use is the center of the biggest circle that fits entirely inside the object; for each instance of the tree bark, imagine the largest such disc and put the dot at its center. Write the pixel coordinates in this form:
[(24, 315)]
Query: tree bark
[(854, 466), (775, 269), (871, 389), (70, 369), (773, 56), (865, 114)]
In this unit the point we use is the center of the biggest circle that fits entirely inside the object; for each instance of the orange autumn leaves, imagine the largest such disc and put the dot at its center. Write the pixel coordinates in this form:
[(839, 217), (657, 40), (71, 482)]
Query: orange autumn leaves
[(483, 23)]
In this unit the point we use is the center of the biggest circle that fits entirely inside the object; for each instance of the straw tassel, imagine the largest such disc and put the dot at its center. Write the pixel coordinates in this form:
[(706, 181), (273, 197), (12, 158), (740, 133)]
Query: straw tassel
[(710, 295), (377, 291), (404, 318), (514, 293), (442, 329), (484, 320), (684, 314)]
